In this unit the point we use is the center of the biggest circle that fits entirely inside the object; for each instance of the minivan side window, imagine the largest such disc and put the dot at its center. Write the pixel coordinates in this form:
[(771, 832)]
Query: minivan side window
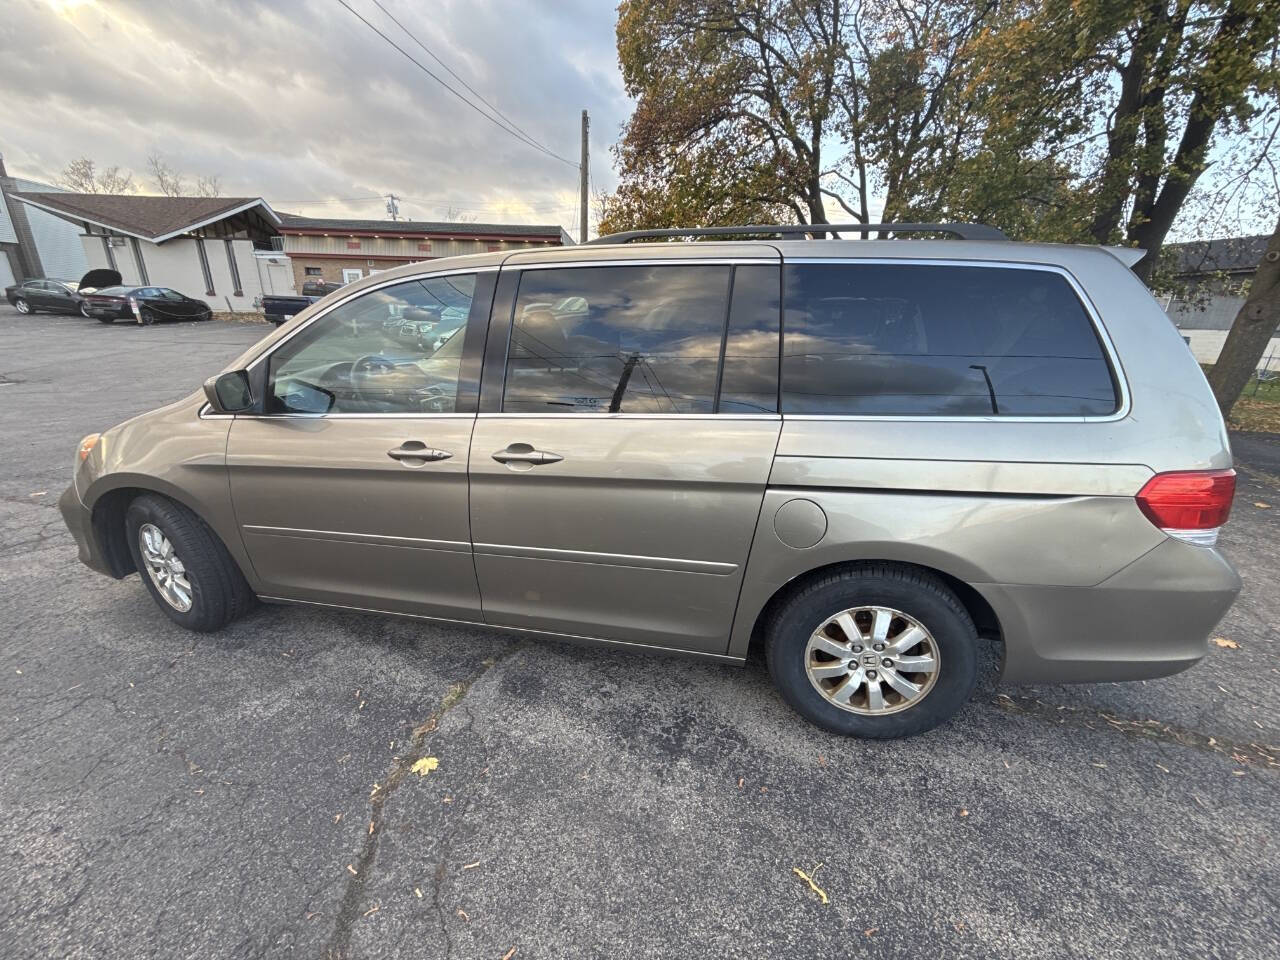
[(396, 349), (619, 339), (939, 340), (749, 383)]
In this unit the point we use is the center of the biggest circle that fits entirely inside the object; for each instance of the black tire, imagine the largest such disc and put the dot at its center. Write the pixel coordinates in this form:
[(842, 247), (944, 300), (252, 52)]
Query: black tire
[(106, 319), (146, 317), (914, 592), (23, 307), (219, 593)]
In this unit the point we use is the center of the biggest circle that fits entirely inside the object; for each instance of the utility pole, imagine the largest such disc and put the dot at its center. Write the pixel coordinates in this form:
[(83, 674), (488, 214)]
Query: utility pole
[(393, 206), (583, 176)]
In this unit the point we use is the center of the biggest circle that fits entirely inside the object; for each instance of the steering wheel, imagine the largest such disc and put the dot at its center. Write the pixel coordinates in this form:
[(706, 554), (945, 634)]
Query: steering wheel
[(374, 378)]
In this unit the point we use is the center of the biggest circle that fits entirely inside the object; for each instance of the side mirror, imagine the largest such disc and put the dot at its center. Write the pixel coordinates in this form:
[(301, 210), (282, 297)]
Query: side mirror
[(229, 392)]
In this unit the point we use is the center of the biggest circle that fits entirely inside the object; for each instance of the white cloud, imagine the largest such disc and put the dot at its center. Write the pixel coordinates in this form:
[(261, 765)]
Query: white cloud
[(298, 100)]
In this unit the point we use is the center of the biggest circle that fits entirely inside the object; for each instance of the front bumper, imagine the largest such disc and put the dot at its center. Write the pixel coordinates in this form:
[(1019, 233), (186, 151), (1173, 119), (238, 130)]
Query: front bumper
[(79, 520), (1151, 619)]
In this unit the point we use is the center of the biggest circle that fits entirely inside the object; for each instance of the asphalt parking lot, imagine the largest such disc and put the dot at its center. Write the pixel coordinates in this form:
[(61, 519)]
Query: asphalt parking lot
[(248, 794)]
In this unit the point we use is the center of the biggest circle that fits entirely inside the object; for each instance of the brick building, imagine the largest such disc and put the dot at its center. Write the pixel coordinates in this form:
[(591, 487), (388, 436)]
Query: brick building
[(346, 250)]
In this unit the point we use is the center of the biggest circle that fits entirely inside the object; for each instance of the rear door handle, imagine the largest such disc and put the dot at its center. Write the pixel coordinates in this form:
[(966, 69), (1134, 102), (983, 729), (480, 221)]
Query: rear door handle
[(415, 453), (523, 453)]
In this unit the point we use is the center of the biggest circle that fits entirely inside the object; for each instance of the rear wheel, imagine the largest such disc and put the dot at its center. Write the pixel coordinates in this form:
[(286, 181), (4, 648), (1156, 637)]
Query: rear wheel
[(106, 319), (186, 569), (22, 306), (84, 311), (877, 651), (146, 317)]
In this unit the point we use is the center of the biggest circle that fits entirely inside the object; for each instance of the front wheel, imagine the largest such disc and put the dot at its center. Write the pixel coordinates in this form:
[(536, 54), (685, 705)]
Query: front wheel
[(186, 569), (106, 319), (84, 312), (22, 306), (877, 651)]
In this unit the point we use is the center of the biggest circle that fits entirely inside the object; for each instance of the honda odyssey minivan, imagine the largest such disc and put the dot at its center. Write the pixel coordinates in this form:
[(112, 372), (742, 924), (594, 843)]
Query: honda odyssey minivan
[(870, 457)]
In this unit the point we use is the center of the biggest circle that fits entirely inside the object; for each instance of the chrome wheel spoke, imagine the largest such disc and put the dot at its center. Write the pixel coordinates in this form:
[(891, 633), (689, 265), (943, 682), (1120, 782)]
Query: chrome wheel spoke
[(880, 626), (909, 638), (900, 683), (828, 669), (820, 641), (875, 696), (924, 664), (850, 629), (167, 571), (845, 691)]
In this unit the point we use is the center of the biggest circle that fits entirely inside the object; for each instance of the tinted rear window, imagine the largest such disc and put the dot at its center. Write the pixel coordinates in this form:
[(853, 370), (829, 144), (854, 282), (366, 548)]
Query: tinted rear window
[(926, 340)]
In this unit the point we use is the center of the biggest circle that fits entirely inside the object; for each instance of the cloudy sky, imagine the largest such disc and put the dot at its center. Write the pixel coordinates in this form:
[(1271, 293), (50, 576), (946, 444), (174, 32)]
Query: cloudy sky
[(297, 100)]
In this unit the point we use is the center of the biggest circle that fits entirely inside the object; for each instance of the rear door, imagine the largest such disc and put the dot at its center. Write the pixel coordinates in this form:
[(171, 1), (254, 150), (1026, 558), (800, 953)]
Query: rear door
[(620, 457), (350, 487)]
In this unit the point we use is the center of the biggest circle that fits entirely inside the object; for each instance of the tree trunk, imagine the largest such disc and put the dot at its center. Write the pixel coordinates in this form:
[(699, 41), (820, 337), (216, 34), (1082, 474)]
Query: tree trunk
[(1251, 331)]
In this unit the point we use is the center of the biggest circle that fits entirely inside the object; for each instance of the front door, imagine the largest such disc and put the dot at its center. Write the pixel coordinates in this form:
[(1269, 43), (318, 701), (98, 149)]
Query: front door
[(618, 477), (350, 486)]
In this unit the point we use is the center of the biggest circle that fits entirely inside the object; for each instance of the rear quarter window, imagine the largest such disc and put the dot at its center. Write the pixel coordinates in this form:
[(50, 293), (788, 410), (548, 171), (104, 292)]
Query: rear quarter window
[(939, 340)]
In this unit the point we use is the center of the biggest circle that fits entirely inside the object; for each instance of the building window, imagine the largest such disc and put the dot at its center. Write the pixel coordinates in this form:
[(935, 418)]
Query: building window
[(111, 256), (204, 267), (235, 270), (137, 258), (312, 271)]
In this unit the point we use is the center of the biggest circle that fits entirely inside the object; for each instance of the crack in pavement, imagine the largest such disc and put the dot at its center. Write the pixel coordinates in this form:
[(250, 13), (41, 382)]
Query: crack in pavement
[(1246, 755), (350, 909)]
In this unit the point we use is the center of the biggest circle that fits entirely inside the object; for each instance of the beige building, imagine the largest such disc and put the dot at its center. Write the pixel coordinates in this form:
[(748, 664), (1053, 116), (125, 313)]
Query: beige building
[(346, 250), (216, 249)]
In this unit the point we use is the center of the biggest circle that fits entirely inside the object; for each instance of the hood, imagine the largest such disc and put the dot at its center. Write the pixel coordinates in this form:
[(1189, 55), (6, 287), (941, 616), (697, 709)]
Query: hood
[(97, 279)]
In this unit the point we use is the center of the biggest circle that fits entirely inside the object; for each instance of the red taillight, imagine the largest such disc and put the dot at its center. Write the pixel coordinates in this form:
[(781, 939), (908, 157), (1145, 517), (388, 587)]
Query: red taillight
[(1190, 504)]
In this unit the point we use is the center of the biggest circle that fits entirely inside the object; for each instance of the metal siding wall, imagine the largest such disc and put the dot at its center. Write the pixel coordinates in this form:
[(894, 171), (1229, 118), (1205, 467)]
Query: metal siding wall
[(58, 244)]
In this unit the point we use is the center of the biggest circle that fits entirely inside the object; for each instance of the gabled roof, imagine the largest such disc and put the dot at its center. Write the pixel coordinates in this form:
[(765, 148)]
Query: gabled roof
[(146, 217), (289, 223), (1230, 255)]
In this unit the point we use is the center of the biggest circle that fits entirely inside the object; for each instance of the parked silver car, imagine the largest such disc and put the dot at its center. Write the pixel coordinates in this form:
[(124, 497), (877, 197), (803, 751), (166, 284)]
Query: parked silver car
[(870, 458)]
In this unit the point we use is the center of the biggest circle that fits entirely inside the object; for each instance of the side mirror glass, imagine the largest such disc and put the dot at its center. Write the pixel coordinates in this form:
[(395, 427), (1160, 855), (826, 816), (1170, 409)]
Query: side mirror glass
[(229, 392)]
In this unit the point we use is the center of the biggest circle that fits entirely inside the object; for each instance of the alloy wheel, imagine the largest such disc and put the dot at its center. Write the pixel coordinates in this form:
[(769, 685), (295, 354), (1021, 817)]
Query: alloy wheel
[(165, 568), (872, 660), (22, 306)]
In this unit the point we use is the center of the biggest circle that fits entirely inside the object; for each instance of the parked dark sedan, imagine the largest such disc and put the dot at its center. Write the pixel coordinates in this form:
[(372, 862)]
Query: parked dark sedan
[(143, 305), (54, 296)]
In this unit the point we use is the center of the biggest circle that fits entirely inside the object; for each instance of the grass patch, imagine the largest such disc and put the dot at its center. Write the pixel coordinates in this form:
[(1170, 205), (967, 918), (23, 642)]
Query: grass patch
[(1258, 408)]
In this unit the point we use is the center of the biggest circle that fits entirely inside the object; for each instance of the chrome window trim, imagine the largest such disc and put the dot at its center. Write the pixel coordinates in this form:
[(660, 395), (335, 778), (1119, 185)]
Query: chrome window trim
[(356, 416), (630, 416), (1100, 329), (693, 261)]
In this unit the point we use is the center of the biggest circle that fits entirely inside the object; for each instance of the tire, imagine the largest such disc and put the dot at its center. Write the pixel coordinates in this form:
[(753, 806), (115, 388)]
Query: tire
[(106, 319), (146, 317), (216, 588), (23, 307), (84, 312), (908, 599)]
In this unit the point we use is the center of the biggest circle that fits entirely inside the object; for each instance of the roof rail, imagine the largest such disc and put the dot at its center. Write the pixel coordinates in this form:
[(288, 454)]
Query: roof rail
[(963, 231)]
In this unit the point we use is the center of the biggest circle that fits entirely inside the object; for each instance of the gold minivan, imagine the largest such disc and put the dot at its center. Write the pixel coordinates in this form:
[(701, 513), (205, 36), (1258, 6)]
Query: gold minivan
[(869, 457)]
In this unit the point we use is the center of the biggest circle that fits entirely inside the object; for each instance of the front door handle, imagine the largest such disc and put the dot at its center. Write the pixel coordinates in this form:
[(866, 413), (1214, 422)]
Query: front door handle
[(415, 453), (523, 456)]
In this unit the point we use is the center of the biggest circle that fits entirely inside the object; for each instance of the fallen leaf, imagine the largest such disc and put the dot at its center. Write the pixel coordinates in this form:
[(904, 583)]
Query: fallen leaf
[(871, 931), (418, 891), (822, 761), (1162, 767), (1224, 642), (337, 817), (374, 909), (351, 870), (424, 766), (740, 779), (1258, 503), (1100, 766), (807, 878), (463, 914), (509, 954), (964, 812), (41, 493), (371, 828), (470, 866), (310, 915)]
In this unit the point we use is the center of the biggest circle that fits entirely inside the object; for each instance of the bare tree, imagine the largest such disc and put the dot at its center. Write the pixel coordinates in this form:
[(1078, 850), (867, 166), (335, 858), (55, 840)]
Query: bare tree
[(453, 215), (1252, 330), (210, 186), (83, 176), (167, 180)]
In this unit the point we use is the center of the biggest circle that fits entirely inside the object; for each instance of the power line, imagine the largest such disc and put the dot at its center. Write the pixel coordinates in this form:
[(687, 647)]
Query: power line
[(525, 139), (479, 96)]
